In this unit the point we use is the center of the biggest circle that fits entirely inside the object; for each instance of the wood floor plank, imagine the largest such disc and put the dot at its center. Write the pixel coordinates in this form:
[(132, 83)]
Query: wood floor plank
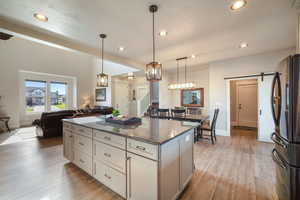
[(235, 168)]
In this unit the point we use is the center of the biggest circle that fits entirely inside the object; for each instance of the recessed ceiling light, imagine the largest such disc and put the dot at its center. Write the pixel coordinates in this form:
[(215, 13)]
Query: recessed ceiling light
[(121, 48), (243, 45), (238, 4), (40, 17), (163, 33), (193, 56)]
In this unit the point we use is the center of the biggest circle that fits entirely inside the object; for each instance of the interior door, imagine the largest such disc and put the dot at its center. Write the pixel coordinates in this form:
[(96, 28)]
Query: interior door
[(266, 124), (247, 105)]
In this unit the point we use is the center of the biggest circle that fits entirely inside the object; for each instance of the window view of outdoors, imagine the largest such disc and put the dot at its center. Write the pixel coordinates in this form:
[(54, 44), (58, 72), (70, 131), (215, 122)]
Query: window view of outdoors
[(58, 96), (35, 96)]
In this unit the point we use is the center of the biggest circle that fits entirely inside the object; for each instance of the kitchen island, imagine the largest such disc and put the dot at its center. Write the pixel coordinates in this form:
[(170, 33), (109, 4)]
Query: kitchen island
[(150, 161)]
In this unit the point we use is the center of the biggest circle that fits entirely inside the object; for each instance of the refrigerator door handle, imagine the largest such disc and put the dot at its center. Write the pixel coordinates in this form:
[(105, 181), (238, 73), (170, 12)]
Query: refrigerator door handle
[(277, 159), (278, 141), (276, 101)]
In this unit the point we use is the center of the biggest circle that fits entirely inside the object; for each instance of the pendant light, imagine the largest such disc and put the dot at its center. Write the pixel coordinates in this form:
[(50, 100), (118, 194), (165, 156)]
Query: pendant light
[(185, 85), (130, 76), (154, 68), (102, 79)]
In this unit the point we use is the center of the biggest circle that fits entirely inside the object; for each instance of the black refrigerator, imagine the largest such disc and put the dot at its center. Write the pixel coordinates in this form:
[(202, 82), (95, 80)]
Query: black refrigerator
[(285, 101)]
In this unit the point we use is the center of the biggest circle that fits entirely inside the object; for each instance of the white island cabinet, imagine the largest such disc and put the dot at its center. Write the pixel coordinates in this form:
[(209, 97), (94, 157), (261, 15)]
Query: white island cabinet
[(132, 167)]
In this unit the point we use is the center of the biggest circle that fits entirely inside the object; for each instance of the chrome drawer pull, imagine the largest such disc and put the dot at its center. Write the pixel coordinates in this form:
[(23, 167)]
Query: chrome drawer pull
[(109, 177), (81, 160), (107, 155), (107, 138), (81, 143), (141, 148)]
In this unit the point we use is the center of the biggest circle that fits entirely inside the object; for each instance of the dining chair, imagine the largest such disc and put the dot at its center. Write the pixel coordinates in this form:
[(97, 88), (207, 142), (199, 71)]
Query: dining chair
[(211, 129), (194, 111), (178, 114), (163, 113)]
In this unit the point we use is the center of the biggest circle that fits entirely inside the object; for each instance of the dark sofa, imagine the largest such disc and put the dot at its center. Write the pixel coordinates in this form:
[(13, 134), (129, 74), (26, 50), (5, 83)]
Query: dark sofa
[(50, 123)]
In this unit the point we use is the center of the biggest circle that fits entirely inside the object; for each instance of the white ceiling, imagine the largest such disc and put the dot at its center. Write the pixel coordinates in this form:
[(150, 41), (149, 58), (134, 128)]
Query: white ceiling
[(207, 28)]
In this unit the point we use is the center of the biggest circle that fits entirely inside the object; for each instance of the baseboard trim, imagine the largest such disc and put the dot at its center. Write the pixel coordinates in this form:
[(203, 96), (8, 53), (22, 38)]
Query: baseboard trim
[(221, 132), (234, 123)]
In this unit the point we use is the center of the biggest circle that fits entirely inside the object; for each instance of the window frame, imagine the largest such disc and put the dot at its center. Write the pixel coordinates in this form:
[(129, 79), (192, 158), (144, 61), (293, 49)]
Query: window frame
[(67, 95), (45, 103), (71, 91)]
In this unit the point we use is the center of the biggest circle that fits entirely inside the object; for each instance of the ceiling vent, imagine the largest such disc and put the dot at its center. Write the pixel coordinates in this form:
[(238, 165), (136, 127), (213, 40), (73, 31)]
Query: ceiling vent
[(295, 3), (5, 36)]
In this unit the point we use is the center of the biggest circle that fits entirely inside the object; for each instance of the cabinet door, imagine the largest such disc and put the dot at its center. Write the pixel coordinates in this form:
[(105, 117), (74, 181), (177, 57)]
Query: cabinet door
[(186, 158), (68, 145), (142, 180)]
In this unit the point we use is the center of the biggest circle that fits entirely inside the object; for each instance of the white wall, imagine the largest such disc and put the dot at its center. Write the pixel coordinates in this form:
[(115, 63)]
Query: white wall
[(20, 54), (199, 75), (266, 62), (165, 95)]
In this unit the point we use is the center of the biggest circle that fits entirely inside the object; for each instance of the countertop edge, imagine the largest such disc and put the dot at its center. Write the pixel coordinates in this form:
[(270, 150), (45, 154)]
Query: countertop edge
[(131, 137)]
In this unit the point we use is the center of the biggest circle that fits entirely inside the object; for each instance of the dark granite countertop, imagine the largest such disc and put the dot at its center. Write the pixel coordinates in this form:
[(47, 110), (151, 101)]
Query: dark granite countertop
[(155, 131)]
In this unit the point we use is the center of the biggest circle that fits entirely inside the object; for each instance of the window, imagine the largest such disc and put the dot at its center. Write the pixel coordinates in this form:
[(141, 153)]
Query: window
[(44, 96), (35, 96), (58, 96)]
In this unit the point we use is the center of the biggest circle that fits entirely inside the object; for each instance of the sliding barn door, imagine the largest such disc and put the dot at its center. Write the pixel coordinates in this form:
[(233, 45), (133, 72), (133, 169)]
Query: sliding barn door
[(265, 121)]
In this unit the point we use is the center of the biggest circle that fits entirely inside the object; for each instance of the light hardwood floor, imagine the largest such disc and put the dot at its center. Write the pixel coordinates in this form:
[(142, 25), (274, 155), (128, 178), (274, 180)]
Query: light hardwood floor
[(237, 167)]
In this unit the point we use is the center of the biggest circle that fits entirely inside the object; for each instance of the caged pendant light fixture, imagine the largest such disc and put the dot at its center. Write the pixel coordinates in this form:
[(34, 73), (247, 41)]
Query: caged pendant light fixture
[(154, 68), (102, 79)]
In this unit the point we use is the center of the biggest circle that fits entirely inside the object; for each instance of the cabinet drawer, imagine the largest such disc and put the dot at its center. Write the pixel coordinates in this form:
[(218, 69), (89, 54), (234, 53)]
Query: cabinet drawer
[(67, 133), (109, 155), (111, 178), (83, 144), (143, 149), (87, 132), (67, 126), (83, 161), (114, 140)]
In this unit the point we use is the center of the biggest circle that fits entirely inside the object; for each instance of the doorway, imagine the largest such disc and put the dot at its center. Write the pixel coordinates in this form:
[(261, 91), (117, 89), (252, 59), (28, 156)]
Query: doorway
[(244, 104), (248, 100), (120, 95)]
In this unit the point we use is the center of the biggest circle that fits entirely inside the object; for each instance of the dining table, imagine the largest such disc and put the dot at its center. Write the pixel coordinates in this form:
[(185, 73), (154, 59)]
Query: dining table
[(196, 118), (199, 118)]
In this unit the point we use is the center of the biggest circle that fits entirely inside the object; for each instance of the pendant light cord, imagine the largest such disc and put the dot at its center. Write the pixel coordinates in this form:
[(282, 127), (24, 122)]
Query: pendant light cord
[(153, 37), (185, 71), (177, 72), (102, 53)]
